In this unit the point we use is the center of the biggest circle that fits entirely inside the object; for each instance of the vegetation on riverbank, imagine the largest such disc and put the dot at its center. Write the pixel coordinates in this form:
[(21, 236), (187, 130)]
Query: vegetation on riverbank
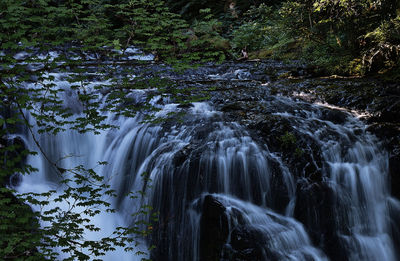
[(336, 37)]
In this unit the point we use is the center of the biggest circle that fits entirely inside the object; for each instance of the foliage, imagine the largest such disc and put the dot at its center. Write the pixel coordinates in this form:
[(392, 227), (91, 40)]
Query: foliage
[(37, 40), (149, 24), (335, 36), (388, 31), (253, 33), (190, 10), (206, 36)]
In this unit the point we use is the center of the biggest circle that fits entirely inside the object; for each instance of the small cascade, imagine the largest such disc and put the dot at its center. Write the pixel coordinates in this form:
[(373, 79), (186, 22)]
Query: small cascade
[(271, 236), (362, 209), (355, 168)]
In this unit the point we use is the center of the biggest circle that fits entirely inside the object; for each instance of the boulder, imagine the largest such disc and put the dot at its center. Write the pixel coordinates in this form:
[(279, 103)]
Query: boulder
[(214, 229)]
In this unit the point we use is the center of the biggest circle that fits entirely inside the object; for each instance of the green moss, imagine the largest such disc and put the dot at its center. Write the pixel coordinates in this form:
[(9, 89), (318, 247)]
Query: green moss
[(356, 67), (289, 143), (284, 75), (288, 140), (219, 43), (298, 153), (261, 54), (391, 74)]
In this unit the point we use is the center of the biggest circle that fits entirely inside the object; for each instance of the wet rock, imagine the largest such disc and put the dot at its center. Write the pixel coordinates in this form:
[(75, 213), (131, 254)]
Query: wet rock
[(19, 154), (214, 229), (390, 135), (231, 107), (386, 131), (394, 215), (314, 208), (186, 105), (334, 116), (375, 59), (242, 74), (391, 113), (247, 244), (182, 155), (301, 154), (15, 180), (280, 198), (394, 170), (380, 100)]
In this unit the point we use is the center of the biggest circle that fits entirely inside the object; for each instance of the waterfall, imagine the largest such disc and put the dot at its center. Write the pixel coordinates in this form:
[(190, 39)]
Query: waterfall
[(212, 180)]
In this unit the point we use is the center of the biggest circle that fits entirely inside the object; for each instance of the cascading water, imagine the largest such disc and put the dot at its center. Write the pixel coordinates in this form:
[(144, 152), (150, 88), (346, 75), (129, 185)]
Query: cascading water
[(221, 193), (355, 169), (277, 237)]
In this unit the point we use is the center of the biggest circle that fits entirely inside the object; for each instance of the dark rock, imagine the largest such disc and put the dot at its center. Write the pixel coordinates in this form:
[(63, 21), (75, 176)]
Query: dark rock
[(231, 107), (214, 229), (385, 131), (391, 112), (15, 180), (247, 243), (314, 208), (376, 58), (394, 215), (334, 116), (394, 170), (18, 153), (185, 105), (301, 154), (280, 197), (182, 155), (380, 100), (390, 134)]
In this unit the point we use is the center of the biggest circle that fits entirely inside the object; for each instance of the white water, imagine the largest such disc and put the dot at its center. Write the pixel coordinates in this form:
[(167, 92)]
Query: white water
[(283, 236), (356, 169), (70, 149)]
